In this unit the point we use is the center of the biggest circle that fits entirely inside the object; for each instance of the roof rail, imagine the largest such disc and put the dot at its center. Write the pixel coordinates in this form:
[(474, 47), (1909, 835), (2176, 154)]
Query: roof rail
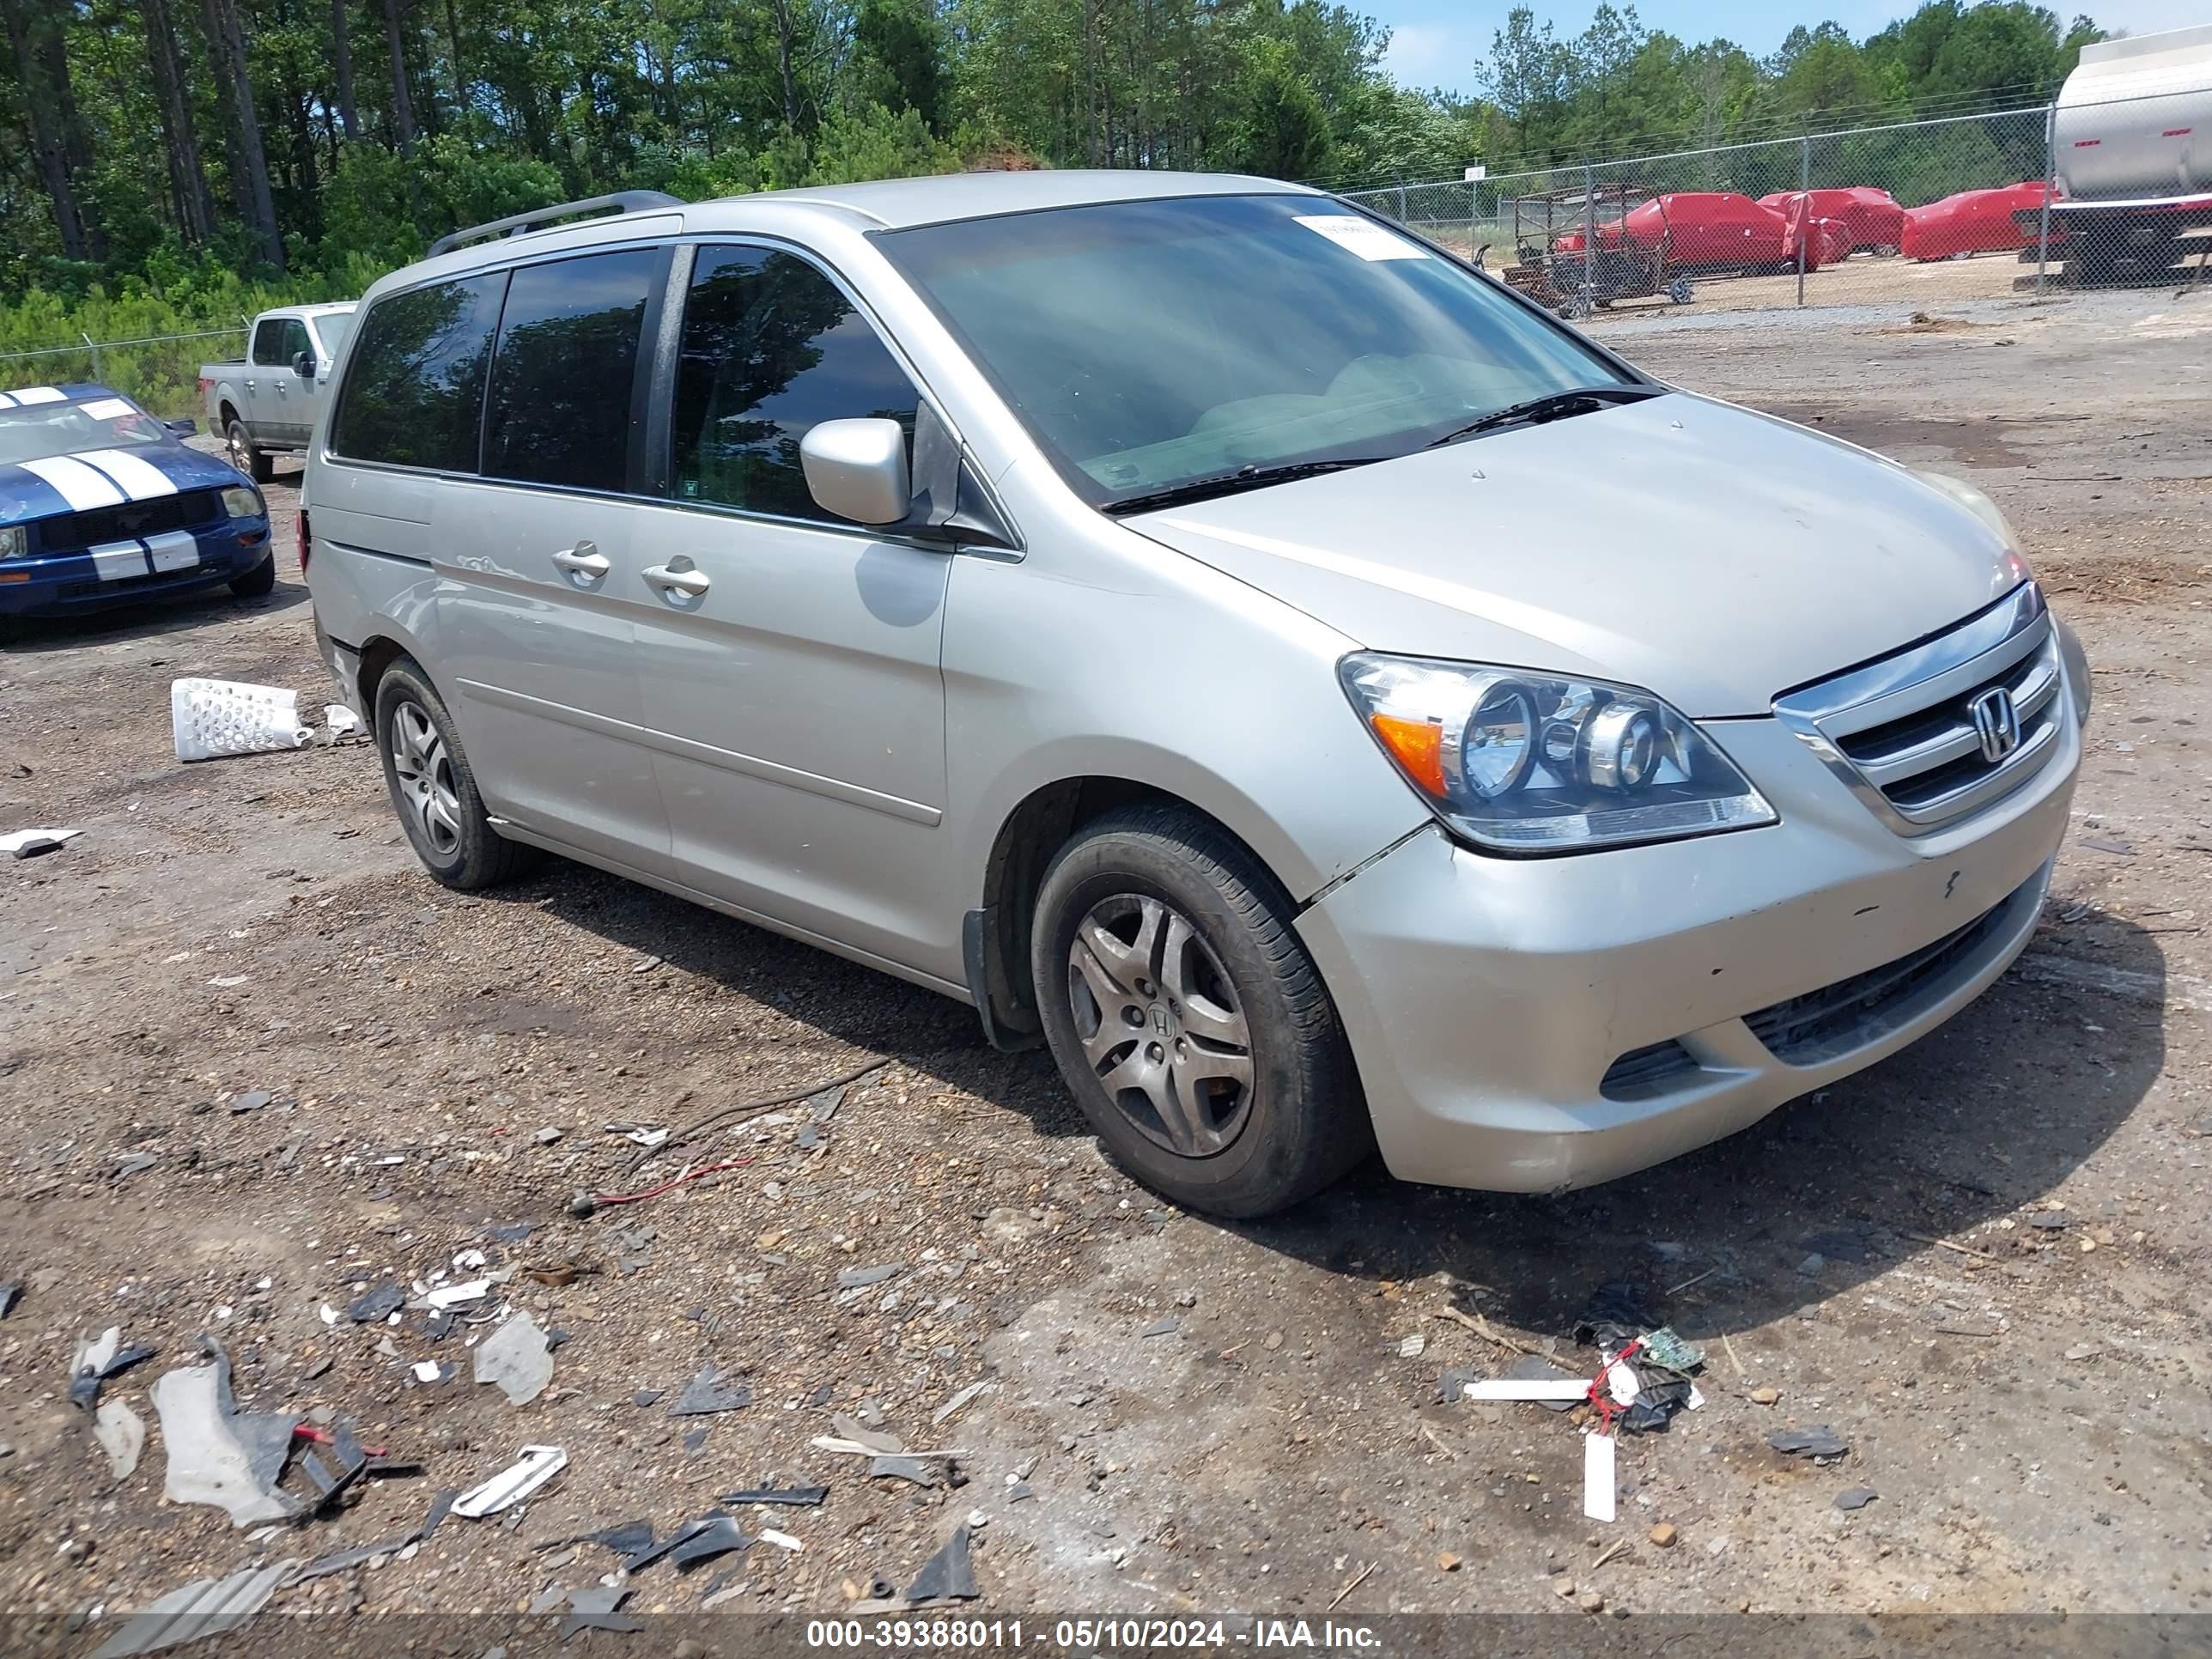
[(623, 201)]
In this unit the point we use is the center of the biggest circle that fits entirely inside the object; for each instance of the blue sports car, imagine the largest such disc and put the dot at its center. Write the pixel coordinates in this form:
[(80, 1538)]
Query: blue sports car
[(100, 504)]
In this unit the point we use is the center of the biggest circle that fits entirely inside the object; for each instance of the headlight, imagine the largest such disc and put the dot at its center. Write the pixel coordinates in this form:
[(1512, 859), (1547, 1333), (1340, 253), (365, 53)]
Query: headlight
[(1983, 509), (243, 503), (1525, 762), (14, 542)]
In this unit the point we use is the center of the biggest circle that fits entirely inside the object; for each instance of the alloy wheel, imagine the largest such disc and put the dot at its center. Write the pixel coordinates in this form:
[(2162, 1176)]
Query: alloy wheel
[(1160, 1025), (425, 773)]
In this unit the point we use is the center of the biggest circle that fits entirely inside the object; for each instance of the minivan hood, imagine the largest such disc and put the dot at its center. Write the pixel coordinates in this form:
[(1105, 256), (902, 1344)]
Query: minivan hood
[(1708, 554)]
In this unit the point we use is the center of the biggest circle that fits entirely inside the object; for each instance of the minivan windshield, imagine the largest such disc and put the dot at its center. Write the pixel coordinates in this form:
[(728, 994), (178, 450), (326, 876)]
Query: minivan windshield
[(1154, 344)]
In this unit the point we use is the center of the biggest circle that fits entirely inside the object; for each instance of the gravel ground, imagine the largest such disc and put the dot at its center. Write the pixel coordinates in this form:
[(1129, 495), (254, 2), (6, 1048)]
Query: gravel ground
[(1201, 1417)]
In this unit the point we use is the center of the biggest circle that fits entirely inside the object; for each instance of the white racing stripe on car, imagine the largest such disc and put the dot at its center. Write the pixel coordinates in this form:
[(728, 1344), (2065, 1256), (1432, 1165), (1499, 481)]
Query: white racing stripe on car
[(113, 561), (174, 549), (76, 482), (140, 480), (40, 394)]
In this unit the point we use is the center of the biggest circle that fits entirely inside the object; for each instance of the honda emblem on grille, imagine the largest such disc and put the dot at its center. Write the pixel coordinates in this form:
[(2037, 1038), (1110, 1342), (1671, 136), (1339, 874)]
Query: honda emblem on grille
[(1997, 724)]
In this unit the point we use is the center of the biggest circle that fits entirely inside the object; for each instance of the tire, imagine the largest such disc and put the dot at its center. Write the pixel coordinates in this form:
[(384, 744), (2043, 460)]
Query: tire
[(261, 579), (1206, 953), (435, 793), (244, 456)]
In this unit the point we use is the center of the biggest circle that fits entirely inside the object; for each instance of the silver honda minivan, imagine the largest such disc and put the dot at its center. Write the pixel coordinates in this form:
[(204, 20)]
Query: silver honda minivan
[(1218, 635)]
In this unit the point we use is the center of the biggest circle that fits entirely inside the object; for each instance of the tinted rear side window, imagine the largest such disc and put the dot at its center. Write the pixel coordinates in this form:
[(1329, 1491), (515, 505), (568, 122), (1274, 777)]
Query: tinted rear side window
[(414, 394), (559, 411), (770, 346)]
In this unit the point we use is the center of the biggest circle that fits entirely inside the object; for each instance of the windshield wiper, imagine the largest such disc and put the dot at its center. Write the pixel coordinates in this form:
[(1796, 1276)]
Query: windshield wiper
[(1551, 406), (1229, 484)]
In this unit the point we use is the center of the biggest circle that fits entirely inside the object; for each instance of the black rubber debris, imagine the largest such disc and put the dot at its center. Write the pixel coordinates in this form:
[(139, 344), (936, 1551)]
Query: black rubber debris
[(947, 1576), (596, 1609), (1817, 1440), (708, 1392), (806, 1497), (705, 1540), (1857, 1497), (1615, 1311), (380, 1303)]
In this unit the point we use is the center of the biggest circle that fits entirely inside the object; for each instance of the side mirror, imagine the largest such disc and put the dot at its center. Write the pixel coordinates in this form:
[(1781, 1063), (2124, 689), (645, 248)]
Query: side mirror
[(856, 470), (304, 365), (181, 429)]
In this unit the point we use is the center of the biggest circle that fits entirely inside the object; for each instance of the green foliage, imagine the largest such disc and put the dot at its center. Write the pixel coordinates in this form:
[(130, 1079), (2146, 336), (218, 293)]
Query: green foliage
[(513, 104)]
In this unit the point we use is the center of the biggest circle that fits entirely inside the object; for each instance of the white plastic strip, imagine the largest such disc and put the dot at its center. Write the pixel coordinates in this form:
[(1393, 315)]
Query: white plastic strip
[(76, 482), (173, 550), (1517, 1388), (1598, 1493), (107, 409), (140, 480), (40, 394), (112, 562)]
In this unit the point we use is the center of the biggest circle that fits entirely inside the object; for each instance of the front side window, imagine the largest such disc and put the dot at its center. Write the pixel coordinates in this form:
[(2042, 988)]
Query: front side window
[(269, 341), (1151, 344), (771, 346), (559, 411), (292, 342), (415, 387)]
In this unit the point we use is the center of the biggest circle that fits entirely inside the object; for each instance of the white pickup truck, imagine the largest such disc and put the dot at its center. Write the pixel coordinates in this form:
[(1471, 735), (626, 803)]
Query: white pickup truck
[(269, 404)]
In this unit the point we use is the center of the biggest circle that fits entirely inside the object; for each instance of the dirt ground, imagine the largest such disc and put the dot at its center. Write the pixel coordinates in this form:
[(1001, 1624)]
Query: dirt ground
[(1981, 1263)]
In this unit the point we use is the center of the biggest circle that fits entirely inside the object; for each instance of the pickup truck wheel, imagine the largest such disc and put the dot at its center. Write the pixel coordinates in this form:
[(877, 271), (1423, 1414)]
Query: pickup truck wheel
[(245, 456), (1188, 1018), (432, 789), (262, 578)]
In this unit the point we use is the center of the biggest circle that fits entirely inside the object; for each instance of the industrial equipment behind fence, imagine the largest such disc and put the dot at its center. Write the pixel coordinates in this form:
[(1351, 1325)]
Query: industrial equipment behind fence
[(1910, 217)]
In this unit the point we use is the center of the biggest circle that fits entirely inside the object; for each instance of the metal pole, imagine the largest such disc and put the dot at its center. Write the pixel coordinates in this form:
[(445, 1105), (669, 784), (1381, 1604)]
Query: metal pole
[(1805, 208), (1401, 203), (2050, 184), (1590, 239), (88, 339)]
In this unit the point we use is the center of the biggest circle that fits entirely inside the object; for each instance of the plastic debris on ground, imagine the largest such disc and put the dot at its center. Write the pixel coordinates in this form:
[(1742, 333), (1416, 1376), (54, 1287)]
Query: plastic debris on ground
[(211, 1606), (379, 1302), (208, 718), (9, 1290), (947, 1576), (518, 1359), (1855, 1497), (922, 1471), (533, 1467), (693, 1545), (804, 1497), (121, 1435), (340, 1560), (708, 1392), (97, 1359), (596, 1609), (30, 843), (1816, 1440), (217, 1454)]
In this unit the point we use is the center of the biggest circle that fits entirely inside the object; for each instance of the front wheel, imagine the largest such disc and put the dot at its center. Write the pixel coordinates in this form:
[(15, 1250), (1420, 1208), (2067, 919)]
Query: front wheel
[(432, 788), (1188, 1018), (261, 579), (244, 456)]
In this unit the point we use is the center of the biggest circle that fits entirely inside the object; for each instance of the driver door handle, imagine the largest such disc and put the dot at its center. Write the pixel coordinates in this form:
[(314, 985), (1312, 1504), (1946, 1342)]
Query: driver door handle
[(584, 560), (693, 582)]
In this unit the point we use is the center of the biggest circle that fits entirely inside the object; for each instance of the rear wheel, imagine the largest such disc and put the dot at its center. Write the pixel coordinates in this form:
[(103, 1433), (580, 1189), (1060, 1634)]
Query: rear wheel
[(432, 788), (244, 456), (1188, 1018)]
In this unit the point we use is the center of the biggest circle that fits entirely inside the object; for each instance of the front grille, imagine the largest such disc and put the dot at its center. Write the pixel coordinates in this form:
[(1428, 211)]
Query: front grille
[(187, 510), (1641, 1073), (1852, 1012), (1902, 731)]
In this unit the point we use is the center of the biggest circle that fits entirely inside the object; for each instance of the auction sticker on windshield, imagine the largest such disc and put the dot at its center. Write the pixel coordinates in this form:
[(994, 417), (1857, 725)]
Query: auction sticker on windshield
[(1363, 236)]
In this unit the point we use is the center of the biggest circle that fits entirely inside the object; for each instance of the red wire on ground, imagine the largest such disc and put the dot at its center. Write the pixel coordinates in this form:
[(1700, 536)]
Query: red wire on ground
[(1600, 1387), (655, 1192)]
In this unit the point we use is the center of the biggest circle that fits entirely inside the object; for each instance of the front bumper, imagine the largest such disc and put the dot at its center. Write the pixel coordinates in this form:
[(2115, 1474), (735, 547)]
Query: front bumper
[(71, 583), (1487, 999)]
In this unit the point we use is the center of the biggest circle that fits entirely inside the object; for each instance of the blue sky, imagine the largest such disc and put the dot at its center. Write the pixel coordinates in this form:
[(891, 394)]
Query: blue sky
[(1437, 42)]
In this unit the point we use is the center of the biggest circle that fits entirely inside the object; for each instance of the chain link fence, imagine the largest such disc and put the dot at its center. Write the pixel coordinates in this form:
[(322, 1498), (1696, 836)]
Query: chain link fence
[(1908, 216), (161, 371)]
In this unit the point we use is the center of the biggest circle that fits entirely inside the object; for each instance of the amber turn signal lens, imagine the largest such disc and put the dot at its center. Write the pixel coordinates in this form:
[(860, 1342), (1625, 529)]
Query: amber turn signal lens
[(1418, 746)]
